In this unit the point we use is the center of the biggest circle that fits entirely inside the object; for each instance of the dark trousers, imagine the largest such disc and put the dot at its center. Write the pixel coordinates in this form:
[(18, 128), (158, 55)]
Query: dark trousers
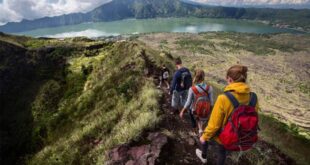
[(221, 152), (193, 120)]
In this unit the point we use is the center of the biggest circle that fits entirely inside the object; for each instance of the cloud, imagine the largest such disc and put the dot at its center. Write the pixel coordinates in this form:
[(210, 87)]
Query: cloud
[(253, 2), (16, 10), (90, 33), (6, 14)]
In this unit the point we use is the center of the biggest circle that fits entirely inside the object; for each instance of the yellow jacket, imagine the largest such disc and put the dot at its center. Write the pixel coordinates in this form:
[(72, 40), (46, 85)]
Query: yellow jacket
[(223, 108)]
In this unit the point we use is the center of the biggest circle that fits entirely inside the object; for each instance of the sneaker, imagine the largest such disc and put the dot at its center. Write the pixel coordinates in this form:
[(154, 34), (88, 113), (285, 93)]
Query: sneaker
[(192, 133), (199, 155)]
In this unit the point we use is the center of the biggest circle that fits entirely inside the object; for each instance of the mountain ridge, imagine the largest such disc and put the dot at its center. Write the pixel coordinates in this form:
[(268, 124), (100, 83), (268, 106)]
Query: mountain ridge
[(61, 105), (143, 9)]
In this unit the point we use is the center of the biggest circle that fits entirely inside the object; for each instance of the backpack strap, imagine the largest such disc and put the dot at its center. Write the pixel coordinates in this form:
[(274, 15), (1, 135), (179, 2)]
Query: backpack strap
[(232, 99), (253, 99), (195, 90), (205, 90), (235, 102)]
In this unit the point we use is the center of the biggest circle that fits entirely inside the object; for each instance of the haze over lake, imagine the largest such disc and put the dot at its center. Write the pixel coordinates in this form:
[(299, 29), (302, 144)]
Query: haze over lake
[(134, 26)]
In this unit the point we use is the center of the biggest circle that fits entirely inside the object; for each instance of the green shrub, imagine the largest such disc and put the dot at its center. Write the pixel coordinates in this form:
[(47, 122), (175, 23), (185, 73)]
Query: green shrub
[(47, 98), (304, 88)]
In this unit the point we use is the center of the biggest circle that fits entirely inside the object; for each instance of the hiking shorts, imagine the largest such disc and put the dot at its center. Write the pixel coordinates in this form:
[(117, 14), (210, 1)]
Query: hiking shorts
[(179, 99)]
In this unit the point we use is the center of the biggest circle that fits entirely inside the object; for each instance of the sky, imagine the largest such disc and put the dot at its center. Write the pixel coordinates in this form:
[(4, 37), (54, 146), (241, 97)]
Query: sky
[(16, 10), (255, 2)]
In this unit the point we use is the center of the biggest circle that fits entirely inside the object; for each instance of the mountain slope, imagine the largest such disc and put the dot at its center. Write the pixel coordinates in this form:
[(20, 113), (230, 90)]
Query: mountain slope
[(21, 72), (71, 101), (59, 98), (26, 25), (278, 72), (123, 9)]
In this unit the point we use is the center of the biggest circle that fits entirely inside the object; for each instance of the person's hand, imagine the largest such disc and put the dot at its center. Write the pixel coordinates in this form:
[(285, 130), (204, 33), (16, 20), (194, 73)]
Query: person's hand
[(202, 140), (181, 114)]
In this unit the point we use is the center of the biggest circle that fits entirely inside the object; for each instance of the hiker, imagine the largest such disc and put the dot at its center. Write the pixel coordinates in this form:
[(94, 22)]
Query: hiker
[(164, 76), (239, 106), (182, 81), (199, 100)]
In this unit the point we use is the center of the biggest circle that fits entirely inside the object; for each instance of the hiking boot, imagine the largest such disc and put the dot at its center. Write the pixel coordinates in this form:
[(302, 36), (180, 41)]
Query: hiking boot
[(199, 155)]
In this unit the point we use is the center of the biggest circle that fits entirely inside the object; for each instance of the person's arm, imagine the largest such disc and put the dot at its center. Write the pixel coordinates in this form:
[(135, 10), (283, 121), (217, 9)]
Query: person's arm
[(174, 82), (216, 120), (188, 102)]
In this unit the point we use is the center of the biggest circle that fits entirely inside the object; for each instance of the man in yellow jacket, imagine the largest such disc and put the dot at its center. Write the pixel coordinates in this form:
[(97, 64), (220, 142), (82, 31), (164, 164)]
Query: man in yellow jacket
[(236, 79)]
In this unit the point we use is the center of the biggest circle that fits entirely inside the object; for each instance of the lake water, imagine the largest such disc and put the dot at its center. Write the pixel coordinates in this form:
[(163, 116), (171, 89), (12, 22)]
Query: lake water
[(134, 26)]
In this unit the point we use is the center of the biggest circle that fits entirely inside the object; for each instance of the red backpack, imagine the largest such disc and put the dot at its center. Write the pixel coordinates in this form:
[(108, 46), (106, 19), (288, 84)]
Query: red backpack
[(240, 132), (202, 106)]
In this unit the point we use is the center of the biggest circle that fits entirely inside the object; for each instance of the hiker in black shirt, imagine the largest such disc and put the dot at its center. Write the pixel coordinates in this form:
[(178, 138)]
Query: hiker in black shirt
[(164, 76)]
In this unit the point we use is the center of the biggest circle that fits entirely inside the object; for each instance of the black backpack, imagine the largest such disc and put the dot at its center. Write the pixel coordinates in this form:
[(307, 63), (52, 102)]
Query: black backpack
[(186, 79)]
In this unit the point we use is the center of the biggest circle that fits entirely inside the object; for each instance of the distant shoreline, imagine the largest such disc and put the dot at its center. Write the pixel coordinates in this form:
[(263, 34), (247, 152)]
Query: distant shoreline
[(157, 25)]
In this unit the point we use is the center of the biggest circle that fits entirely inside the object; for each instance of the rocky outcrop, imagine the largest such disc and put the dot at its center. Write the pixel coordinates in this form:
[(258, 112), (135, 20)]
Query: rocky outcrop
[(145, 154)]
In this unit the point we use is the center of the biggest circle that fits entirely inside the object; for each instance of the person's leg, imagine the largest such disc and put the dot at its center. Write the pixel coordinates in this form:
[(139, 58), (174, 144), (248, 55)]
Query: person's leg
[(160, 81), (192, 117), (202, 152), (221, 154), (167, 83), (199, 123), (180, 102), (204, 149), (176, 101), (183, 98), (204, 122)]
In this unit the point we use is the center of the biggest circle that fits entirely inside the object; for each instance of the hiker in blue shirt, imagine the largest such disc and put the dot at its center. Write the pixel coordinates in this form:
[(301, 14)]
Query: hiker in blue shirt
[(182, 81)]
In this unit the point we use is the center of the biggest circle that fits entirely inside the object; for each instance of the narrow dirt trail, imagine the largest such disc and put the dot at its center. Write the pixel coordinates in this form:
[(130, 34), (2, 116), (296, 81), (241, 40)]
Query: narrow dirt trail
[(184, 139)]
